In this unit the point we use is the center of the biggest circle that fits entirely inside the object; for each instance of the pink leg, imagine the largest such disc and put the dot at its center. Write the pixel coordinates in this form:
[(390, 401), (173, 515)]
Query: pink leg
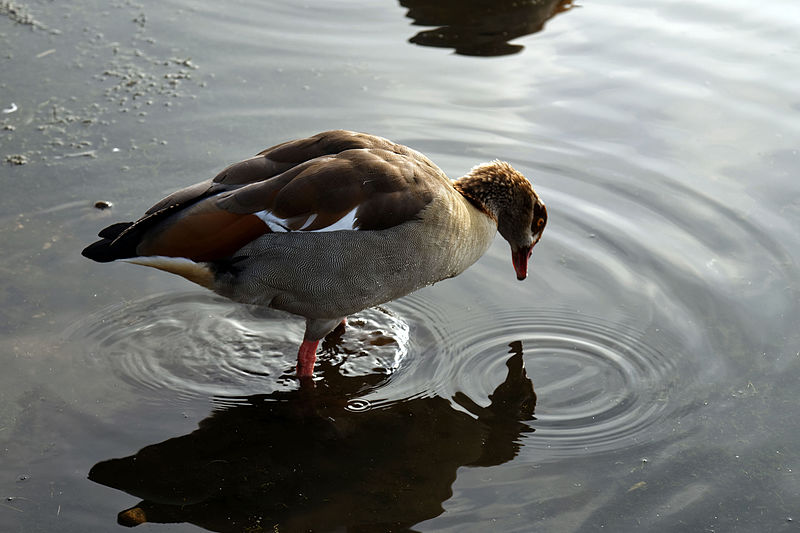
[(306, 358)]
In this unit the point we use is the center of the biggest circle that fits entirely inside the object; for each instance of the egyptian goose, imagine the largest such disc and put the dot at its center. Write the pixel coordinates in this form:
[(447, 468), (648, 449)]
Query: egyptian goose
[(329, 225)]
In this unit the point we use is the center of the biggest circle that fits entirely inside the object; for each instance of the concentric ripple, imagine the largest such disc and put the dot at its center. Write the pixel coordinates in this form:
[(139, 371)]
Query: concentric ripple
[(600, 385), (198, 344)]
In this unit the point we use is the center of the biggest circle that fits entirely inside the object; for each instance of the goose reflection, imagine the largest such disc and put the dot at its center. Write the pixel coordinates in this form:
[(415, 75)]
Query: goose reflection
[(307, 460), (480, 27)]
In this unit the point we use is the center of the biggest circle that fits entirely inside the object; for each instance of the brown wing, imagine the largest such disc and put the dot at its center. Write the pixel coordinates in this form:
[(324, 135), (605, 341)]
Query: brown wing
[(302, 185), (384, 188), (282, 157)]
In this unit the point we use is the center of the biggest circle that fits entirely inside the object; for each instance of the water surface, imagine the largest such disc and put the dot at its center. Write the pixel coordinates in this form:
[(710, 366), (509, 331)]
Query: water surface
[(658, 327)]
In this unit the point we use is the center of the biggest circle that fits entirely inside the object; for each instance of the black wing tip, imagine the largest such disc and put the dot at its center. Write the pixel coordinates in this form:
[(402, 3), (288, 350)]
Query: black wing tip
[(114, 230), (106, 250), (101, 251)]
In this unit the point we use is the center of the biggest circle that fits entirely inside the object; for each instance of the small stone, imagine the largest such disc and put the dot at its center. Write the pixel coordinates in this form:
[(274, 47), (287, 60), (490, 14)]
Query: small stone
[(103, 204), (17, 159)]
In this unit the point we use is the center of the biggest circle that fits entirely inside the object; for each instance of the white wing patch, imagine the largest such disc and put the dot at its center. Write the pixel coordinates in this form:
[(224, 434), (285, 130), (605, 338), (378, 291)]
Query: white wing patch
[(281, 225), (310, 221), (346, 222), (275, 224)]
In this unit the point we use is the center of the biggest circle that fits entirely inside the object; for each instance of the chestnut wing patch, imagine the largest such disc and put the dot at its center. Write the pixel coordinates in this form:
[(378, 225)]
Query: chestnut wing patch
[(202, 232)]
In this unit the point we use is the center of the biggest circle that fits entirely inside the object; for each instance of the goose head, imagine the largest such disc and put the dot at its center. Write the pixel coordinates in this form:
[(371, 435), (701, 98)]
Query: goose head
[(508, 197)]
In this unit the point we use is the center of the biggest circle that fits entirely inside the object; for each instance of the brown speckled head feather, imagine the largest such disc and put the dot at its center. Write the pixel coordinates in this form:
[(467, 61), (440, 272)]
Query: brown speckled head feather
[(508, 197), (492, 186)]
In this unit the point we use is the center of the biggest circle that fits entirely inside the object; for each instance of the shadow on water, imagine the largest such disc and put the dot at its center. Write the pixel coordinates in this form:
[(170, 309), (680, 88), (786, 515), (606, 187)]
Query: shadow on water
[(480, 27), (310, 459)]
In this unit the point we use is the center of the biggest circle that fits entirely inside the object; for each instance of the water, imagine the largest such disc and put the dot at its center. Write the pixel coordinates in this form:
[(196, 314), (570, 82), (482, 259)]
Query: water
[(658, 326)]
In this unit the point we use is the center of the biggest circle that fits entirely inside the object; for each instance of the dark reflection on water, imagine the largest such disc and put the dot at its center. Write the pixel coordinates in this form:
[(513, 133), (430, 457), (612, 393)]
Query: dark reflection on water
[(317, 458), (480, 27)]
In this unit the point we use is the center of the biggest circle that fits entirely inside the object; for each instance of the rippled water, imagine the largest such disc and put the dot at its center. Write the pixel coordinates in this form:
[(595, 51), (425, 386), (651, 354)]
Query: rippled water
[(658, 327), (199, 345)]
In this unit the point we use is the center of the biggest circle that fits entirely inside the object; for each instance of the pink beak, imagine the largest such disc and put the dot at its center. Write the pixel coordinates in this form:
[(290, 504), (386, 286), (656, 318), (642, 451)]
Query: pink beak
[(520, 259)]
